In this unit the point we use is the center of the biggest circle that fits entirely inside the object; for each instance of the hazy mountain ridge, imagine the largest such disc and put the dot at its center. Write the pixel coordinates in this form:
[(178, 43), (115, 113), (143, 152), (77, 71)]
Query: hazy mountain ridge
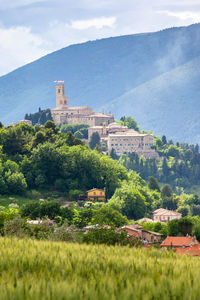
[(126, 75)]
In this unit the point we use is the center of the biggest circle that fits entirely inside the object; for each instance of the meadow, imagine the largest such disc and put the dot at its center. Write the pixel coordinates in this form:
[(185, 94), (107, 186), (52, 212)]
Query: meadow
[(32, 269)]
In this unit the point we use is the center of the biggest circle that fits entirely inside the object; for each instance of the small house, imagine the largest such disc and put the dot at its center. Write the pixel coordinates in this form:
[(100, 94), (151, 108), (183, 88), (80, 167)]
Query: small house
[(179, 242), (96, 195), (143, 234)]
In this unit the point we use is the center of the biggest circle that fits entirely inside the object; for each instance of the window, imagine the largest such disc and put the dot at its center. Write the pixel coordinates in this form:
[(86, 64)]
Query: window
[(94, 193), (58, 91)]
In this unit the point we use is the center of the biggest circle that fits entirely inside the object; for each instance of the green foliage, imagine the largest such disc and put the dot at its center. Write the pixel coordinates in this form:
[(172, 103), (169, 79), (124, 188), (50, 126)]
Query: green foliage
[(79, 130), (51, 209), (130, 123), (129, 201), (94, 140), (106, 215), (39, 117), (153, 184), (109, 236)]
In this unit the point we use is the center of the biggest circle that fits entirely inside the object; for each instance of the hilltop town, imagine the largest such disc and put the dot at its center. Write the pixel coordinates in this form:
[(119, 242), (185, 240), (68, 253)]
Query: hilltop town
[(112, 134)]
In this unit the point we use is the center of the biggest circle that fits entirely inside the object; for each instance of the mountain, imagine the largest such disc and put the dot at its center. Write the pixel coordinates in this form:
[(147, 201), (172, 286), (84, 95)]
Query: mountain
[(154, 77)]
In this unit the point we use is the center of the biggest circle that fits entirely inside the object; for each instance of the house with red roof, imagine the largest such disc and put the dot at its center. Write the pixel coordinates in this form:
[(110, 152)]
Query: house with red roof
[(192, 250), (179, 242)]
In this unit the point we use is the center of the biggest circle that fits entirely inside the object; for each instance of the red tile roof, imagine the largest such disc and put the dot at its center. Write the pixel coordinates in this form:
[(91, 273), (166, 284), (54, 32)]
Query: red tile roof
[(193, 250), (178, 241)]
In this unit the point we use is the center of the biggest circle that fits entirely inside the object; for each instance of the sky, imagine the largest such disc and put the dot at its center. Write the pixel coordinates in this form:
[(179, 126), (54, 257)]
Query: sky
[(30, 29)]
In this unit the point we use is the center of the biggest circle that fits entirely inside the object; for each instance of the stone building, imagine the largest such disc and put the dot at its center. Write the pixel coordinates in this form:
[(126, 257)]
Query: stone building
[(83, 114), (132, 141), (105, 130)]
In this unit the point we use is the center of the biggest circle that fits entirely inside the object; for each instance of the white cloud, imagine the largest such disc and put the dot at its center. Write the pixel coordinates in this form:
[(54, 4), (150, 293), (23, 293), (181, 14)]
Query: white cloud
[(98, 23), (18, 46), (183, 15)]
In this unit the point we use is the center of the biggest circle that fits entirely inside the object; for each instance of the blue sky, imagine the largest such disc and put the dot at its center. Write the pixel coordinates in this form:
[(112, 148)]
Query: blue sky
[(30, 29)]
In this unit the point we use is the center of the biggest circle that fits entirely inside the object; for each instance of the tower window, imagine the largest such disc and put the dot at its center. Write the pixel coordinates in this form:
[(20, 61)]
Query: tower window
[(58, 91), (65, 102)]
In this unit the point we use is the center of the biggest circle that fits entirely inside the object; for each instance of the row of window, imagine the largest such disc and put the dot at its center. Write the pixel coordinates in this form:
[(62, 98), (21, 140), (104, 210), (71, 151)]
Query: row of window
[(139, 145)]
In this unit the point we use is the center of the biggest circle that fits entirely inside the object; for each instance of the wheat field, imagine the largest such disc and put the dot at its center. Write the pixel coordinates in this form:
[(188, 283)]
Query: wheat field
[(35, 270)]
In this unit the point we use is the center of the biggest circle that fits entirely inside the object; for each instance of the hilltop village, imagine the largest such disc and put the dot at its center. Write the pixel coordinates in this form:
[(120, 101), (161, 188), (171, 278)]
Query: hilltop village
[(112, 134)]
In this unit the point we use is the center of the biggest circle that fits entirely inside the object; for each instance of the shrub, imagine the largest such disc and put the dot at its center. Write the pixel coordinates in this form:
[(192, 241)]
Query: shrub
[(109, 236)]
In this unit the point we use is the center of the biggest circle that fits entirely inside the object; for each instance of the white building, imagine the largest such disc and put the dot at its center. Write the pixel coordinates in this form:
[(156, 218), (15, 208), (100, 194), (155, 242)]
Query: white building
[(165, 215)]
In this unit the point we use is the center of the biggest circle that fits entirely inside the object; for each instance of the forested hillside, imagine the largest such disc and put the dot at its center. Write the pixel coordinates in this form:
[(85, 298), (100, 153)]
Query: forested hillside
[(153, 76)]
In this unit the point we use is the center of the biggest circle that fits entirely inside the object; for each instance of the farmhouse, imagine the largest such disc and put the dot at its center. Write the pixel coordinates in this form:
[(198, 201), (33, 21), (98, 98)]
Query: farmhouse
[(165, 215), (96, 195), (145, 235), (179, 242)]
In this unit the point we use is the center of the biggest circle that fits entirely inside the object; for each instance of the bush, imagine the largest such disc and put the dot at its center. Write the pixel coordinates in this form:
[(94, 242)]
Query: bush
[(17, 227), (62, 234), (109, 237)]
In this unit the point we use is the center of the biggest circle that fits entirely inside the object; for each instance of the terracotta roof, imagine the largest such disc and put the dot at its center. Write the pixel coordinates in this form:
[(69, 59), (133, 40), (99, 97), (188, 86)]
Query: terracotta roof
[(166, 212), (193, 250), (177, 241)]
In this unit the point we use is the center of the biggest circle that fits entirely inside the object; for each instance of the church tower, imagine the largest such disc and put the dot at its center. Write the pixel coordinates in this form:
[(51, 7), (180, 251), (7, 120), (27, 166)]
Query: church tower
[(61, 99)]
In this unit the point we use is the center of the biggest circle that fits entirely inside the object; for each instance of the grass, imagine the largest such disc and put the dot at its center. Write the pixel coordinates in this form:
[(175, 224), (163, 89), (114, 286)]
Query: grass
[(6, 200), (52, 270)]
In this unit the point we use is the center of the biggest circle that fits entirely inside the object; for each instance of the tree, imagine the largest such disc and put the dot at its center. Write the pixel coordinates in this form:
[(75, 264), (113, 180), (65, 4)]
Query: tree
[(185, 226), (164, 140), (109, 236), (78, 134), (113, 154), (166, 191), (130, 123), (173, 228), (129, 201), (16, 183), (153, 184), (94, 140), (183, 210), (51, 125), (106, 215), (39, 138), (165, 168)]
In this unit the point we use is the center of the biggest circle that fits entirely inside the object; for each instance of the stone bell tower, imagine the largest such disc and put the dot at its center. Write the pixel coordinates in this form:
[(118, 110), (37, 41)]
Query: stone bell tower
[(61, 99)]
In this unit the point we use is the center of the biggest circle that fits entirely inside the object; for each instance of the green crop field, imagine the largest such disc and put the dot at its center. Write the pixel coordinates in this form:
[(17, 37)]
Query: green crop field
[(49, 270)]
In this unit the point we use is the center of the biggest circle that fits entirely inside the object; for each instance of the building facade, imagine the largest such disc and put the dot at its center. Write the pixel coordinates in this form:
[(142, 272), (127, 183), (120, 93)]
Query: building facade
[(96, 195), (132, 141), (165, 215), (63, 113)]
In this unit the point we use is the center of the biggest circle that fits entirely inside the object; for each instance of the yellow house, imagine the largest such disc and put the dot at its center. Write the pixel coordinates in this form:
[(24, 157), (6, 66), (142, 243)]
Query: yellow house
[(96, 195)]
